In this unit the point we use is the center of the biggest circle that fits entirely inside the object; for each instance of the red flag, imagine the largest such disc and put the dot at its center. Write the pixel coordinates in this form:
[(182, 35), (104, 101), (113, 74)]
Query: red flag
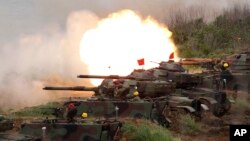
[(171, 56), (140, 62)]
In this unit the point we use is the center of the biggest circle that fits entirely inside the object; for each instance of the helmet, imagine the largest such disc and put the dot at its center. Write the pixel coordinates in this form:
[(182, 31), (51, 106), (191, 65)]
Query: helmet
[(136, 93), (225, 65), (84, 115)]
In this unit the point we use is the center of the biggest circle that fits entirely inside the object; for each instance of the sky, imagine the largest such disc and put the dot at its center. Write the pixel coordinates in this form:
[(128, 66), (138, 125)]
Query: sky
[(21, 17)]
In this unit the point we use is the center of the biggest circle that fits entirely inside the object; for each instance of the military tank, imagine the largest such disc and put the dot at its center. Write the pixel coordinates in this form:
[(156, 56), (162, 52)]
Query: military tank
[(79, 130), (177, 82), (231, 73), (5, 123), (239, 67), (62, 130), (152, 94), (192, 86), (137, 97), (132, 107)]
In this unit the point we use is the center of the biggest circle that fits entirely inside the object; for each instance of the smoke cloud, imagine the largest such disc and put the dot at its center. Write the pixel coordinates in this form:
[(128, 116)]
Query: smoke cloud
[(49, 58)]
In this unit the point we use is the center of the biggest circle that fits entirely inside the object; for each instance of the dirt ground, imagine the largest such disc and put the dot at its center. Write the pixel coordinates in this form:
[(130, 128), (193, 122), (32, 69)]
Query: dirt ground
[(216, 129)]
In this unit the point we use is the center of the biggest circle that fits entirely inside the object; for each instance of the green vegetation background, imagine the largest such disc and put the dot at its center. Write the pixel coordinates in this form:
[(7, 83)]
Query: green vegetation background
[(227, 34)]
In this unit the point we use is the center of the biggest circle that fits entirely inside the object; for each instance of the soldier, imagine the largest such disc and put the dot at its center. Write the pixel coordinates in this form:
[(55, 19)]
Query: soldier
[(136, 95), (226, 78), (133, 94), (72, 111), (225, 75)]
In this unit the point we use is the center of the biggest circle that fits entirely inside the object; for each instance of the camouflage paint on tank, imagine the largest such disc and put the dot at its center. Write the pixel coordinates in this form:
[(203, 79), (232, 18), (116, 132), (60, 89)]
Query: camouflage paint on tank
[(150, 84), (107, 108), (145, 108), (64, 131), (241, 82), (240, 71), (5, 123), (238, 76)]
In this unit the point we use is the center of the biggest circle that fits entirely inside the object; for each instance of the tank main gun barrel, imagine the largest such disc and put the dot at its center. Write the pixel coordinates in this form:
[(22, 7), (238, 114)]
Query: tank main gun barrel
[(198, 61), (113, 77), (76, 88), (103, 76)]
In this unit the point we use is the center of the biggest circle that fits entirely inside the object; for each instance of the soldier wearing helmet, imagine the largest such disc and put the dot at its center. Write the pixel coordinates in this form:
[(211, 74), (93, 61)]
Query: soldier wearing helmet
[(71, 112), (225, 74)]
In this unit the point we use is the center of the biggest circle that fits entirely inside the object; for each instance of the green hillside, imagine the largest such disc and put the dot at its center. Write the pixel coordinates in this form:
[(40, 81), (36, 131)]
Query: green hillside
[(228, 33)]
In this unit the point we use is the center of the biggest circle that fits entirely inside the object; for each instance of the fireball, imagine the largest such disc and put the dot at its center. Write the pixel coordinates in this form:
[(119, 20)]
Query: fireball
[(118, 41)]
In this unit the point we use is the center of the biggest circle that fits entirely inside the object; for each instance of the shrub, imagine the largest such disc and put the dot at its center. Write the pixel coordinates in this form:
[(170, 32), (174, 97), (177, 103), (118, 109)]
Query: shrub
[(145, 131), (188, 125), (227, 34)]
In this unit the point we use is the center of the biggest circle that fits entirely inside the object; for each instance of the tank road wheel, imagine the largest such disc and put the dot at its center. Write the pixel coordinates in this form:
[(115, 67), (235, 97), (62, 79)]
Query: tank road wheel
[(220, 109), (163, 121), (161, 118), (227, 105), (207, 103), (196, 104), (206, 113), (223, 105)]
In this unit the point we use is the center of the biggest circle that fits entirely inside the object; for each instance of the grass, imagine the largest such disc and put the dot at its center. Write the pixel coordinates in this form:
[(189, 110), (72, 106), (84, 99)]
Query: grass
[(188, 125), (37, 111), (145, 131)]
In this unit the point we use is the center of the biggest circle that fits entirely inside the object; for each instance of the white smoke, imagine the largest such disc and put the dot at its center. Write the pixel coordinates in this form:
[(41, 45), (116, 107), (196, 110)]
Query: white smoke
[(36, 60)]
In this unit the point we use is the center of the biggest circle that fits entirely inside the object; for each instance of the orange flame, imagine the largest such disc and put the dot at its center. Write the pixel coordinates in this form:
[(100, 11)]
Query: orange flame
[(118, 41)]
